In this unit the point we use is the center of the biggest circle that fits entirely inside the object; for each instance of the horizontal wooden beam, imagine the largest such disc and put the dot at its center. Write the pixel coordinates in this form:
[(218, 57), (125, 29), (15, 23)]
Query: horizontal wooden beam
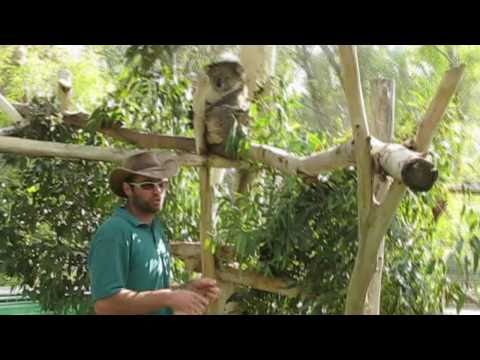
[(190, 253), (143, 140), (257, 281), (473, 188), (38, 148)]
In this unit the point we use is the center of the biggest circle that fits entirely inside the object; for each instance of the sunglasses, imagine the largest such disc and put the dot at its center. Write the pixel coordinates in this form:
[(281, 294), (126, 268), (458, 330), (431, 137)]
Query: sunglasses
[(151, 185)]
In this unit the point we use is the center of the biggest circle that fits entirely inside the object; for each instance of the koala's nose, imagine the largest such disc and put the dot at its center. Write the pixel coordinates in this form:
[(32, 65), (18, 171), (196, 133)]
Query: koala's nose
[(219, 83)]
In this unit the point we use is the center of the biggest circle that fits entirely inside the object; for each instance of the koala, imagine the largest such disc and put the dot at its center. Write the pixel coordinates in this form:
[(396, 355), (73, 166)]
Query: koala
[(227, 85), (226, 107)]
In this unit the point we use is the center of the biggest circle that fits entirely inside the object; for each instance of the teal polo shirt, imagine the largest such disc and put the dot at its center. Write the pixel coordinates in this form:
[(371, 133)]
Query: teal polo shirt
[(127, 254)]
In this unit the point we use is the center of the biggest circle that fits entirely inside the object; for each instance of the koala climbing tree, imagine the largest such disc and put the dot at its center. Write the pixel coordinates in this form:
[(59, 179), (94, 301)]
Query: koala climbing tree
[(385, 169)]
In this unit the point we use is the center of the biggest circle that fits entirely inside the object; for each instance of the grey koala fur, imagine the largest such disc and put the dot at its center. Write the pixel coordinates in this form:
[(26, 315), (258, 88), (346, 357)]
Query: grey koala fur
[(226, 104)]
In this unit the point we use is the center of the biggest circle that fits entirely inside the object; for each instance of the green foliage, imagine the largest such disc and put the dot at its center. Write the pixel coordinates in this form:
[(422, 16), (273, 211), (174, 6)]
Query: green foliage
[(147, 99), (291, 230), (39, 75), (51, 209), (8, 281), (287, 229)]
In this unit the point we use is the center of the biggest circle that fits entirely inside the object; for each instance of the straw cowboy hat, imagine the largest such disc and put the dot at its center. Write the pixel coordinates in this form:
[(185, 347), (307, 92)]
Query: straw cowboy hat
[(155, 166)]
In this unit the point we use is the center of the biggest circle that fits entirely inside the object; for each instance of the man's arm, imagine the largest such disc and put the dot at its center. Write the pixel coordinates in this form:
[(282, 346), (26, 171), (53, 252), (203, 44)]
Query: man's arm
[(127, 302)]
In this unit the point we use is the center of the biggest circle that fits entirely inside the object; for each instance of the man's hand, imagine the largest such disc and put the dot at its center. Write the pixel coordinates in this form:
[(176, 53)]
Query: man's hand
[(188, 302), (206, 287)]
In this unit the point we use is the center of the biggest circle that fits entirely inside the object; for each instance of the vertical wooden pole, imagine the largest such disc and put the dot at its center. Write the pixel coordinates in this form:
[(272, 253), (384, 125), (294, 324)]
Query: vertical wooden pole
[(361, 136), (382, 126), (380, 216), (207, 209), (64, 91), (207, 214), (259, 64)]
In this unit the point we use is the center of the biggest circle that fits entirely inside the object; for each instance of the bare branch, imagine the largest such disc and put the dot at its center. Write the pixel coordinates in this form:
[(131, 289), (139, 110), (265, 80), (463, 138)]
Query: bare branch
[(437, 108), (143, 140)]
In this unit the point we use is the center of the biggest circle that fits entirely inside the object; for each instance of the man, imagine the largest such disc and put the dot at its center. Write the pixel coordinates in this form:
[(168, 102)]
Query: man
[(129, 259)]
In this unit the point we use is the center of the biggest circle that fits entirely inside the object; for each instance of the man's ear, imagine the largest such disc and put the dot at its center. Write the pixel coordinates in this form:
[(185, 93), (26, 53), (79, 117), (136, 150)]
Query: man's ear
[(126, 189)]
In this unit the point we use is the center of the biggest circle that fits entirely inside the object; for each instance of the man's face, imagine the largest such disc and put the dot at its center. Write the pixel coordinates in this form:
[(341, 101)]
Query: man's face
[(147, 197)]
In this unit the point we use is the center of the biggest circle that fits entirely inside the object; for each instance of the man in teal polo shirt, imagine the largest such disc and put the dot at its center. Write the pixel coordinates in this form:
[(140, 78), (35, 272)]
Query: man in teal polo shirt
[(129, 258)]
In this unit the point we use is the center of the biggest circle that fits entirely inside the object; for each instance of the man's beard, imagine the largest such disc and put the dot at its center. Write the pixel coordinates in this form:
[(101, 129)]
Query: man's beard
[(146, 206)]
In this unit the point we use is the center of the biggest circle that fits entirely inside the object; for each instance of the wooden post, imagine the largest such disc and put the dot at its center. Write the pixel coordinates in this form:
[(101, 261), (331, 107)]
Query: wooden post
[(10, 110), (259, 64), (382, 125), (226, 290), (64, 91), (19, 56), (381, 216), (207, 214), (207, 191), (361, 138)]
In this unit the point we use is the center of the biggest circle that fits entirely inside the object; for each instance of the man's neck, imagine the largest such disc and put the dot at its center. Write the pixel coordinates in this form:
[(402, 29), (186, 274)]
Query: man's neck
[(144, 218)]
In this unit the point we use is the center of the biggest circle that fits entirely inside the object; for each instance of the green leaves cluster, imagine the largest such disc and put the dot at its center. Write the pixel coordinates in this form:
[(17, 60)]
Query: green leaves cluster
[(51, 208)]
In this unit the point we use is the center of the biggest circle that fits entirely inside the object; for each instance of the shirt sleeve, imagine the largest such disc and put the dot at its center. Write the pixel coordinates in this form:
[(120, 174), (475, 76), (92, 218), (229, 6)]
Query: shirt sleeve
[(109, 262)]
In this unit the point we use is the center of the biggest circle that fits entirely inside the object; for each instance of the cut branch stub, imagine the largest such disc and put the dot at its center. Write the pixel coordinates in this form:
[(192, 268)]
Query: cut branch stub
[(405, 165), (419, 174)]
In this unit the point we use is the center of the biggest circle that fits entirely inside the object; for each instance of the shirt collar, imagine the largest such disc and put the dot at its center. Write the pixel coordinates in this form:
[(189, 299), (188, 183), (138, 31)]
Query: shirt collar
[(125, 214)]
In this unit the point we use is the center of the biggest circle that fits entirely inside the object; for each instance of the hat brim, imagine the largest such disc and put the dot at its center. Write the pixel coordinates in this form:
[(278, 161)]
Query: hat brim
[(118, 175)]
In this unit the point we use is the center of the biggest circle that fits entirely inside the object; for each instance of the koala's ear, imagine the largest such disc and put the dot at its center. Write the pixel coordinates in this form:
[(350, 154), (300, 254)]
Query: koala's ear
[(239, 69), (209, 68)]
